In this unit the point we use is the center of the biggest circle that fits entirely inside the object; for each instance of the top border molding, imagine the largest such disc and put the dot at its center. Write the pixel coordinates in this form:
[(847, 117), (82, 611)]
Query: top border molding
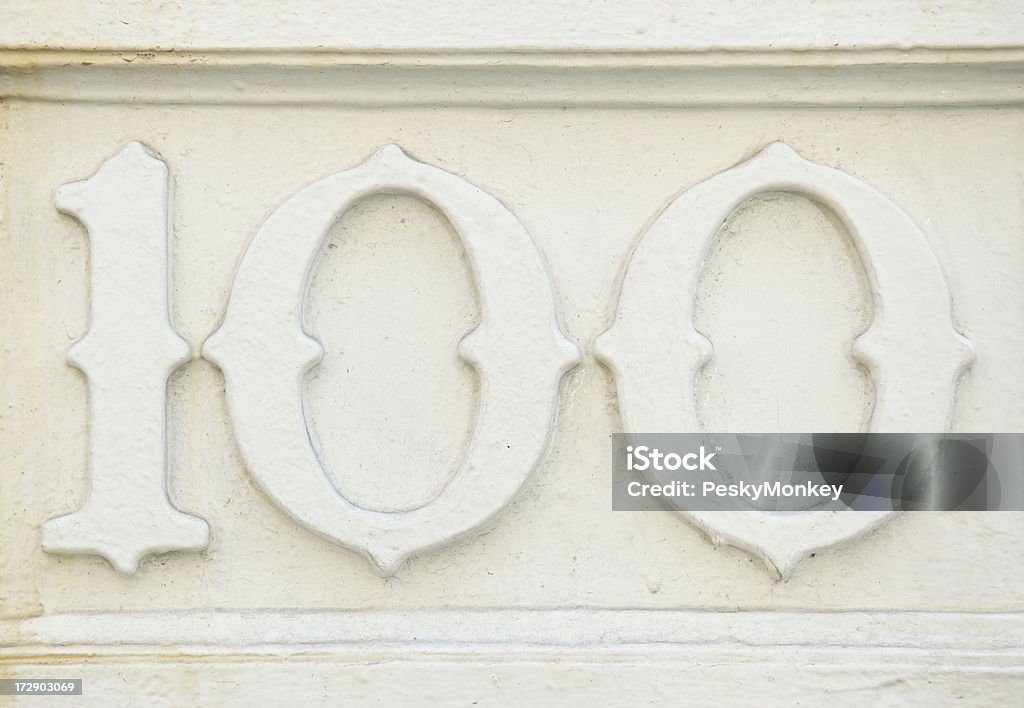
[(531, 25), (881, 78)]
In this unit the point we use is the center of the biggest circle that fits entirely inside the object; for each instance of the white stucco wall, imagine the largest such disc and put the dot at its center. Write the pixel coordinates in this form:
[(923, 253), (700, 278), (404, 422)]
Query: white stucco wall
[(541, 141)]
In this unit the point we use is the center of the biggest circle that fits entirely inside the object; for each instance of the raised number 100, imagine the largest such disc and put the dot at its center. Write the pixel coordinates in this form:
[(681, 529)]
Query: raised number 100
[(911, 348)]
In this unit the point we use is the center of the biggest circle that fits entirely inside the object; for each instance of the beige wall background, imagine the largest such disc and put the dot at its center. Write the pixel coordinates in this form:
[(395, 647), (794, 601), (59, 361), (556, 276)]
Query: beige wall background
[(584, 122)]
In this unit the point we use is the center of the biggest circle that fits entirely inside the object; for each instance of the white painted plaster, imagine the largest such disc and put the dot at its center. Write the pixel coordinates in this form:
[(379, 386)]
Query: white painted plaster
[(582, 121)]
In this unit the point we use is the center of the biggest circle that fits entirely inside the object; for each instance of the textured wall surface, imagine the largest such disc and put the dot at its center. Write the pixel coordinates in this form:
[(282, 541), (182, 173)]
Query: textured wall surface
[(386, 478)]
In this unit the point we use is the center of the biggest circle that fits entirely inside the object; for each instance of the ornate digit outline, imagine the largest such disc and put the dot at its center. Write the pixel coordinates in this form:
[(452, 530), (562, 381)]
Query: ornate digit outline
[(518, 350), (911, 348), (127, 355)]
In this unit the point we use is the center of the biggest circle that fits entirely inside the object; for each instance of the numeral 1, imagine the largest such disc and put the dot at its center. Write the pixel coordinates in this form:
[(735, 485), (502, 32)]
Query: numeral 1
[(127, 355)]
